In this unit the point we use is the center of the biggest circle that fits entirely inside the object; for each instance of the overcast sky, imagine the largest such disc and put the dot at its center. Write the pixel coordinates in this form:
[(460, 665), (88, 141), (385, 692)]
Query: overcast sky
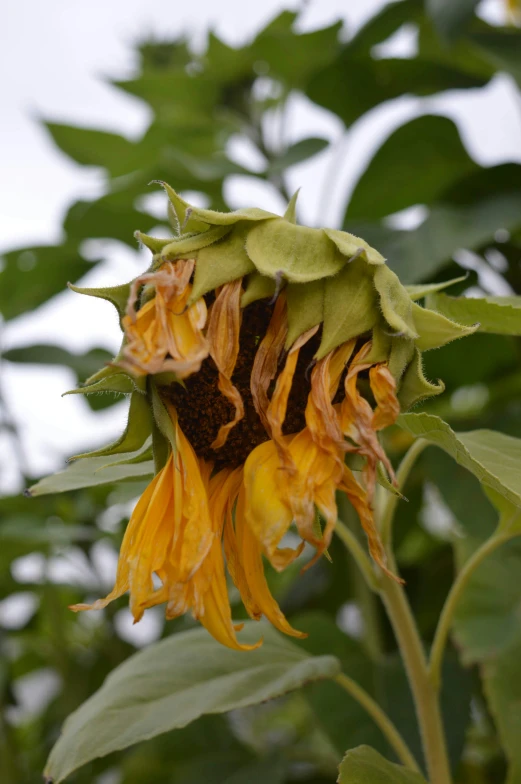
[(55, 58)]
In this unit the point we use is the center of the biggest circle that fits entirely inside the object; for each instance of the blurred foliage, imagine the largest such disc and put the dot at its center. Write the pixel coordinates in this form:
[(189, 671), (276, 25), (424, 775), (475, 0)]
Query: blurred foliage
[(199, 104)]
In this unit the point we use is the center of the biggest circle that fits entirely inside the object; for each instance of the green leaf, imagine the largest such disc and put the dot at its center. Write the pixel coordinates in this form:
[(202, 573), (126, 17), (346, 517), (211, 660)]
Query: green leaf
[(112, 216), (451, 18), (91, 147), (45, 354), (384, 24), (498, 315), (365, 766), (91, 471), (421, 253), (292, 56), (414, 165), (352, 85), (503, 691), (494, 458), (31, 276), (423, 289), (502, 48), (173, 682), (296, 153)]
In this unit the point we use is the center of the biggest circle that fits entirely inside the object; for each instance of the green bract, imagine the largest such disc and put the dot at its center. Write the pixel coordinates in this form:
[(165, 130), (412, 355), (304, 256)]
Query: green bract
[(330, 278)]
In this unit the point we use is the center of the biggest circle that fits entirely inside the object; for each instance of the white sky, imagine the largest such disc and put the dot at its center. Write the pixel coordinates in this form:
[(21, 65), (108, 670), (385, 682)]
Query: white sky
[(54, 57)]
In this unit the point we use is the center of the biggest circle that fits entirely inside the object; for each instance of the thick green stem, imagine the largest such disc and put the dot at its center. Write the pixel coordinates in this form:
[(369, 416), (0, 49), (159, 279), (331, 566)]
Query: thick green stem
[(402, 620), (380, 719), (455, 594), (409, 642), (423, 691)]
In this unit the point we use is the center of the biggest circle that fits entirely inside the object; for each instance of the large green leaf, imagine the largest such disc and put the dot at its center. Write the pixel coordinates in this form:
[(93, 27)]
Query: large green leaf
[(92, 147), (384, 24), (84, 365), (353, 85), (498, 315), (365, 766), (502, 48), (420, 254), (413, 166), (450, 17), (175, 681), (297, 153), (486, 621), (91, 471), (293, 56), (503, 691), (494, 458), (31, 276)]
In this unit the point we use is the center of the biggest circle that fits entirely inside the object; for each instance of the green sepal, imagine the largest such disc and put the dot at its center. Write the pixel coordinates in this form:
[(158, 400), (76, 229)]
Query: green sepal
[(423, 289), (119, 382), (299, 254), (402, 352), (137, 431), (381, 344), (117, 295), (305, 308), (155, 244), (415, 386), (257, 287), (199, 219), (143, 456), (350, 306), (395, 303), (291, 210), (162, 419), (436, 330), (351, 246), (111, 378), (221, 262), (177, 209), (187, 246)]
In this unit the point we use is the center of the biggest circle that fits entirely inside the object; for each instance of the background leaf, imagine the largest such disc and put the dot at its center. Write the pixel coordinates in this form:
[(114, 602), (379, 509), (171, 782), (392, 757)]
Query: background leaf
[(363, 765), (174, 682)]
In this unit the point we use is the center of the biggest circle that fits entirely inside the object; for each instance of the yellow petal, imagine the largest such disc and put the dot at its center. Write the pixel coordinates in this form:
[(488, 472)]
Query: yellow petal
[(223, 337)]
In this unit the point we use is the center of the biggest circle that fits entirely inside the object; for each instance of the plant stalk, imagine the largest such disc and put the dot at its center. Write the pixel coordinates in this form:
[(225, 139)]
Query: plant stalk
[(381, 720), (455, 594)]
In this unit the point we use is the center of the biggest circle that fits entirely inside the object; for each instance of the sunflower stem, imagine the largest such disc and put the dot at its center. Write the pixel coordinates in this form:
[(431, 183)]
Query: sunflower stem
[(359, 555), (453, 598), (380, 718), (399, 611)]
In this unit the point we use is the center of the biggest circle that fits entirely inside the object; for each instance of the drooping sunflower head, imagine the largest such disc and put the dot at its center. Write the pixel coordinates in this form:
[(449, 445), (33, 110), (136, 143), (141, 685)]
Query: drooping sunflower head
[(262, 354)]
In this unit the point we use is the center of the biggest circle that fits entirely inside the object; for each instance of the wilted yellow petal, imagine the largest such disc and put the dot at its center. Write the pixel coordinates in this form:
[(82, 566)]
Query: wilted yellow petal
[(223, 337)]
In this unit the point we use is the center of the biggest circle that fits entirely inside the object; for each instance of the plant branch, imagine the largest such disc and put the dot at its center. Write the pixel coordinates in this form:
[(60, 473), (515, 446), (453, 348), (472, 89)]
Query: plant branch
[(359, 554), (424, 694), (452, 601), (380, 718)]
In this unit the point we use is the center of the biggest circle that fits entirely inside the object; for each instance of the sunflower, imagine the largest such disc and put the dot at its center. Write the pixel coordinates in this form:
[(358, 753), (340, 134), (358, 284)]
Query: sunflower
[(268, 357)]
